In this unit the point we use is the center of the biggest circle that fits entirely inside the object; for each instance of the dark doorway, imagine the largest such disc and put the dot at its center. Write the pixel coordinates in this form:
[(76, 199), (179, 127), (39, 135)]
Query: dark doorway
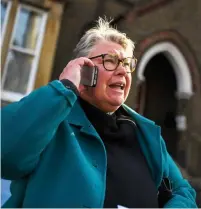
[(160, 102)]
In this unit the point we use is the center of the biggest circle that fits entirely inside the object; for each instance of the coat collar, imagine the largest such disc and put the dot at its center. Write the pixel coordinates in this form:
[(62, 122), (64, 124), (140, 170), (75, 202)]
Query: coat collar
[(148, 135), (77, 117)]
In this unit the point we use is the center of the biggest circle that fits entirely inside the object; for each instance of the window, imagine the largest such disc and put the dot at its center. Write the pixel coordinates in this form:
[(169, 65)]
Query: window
[(5, 10), (23, 54)]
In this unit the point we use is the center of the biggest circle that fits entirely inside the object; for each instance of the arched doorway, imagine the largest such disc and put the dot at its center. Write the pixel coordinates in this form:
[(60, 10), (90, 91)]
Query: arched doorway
[(161, 104), (160, 101)]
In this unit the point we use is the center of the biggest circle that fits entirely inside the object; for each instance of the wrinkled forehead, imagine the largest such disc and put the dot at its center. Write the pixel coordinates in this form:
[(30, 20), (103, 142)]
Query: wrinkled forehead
[(121, 53), (108, 47)]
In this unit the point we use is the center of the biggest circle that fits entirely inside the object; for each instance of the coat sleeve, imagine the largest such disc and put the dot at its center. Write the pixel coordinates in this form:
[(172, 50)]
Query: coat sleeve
[(29, 125), (183, 194)]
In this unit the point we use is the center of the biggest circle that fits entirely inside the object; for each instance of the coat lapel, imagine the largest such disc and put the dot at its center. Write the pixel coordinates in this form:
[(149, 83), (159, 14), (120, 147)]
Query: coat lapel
[(149, 135), (77, 117)]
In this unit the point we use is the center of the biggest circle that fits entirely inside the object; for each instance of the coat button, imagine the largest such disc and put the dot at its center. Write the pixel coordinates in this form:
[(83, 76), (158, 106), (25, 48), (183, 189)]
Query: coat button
[(95, 165)]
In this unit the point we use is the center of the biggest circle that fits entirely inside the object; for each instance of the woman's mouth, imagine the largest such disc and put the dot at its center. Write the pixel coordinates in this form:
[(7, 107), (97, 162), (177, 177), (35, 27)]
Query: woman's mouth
[(119, 86)]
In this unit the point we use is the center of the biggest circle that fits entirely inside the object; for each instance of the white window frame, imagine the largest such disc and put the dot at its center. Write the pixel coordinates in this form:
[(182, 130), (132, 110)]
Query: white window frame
[(10, 95), (4, 25)]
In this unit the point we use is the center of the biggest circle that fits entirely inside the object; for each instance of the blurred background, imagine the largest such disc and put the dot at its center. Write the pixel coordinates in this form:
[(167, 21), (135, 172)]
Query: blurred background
[(38, 37)]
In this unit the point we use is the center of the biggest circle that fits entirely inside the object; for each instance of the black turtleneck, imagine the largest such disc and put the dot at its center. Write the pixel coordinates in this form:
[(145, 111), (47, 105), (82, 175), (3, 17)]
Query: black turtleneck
[(129, 182)]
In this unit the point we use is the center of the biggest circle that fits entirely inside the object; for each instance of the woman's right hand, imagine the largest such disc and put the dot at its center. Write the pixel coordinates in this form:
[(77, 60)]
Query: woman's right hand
[(72, 71)]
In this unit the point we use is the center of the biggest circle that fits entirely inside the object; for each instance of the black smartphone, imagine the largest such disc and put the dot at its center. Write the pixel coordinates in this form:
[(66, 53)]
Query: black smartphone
[(89, 75)]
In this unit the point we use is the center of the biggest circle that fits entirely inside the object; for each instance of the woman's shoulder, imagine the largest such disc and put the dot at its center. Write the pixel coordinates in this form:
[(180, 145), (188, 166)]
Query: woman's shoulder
[(137, 117)]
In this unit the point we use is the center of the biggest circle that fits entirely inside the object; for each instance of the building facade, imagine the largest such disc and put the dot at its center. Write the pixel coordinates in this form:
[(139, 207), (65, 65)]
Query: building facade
[(38, 38)]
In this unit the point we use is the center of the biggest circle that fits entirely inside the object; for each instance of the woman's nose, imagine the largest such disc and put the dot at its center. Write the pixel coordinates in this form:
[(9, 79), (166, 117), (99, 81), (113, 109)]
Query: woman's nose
[(121, 69)]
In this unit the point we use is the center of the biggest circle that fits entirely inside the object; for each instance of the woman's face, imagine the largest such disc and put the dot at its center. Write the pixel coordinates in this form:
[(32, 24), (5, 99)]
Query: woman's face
[(108, 95)]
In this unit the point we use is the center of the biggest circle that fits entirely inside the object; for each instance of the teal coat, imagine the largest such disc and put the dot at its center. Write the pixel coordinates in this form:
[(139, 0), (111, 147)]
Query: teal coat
[(56, 158)]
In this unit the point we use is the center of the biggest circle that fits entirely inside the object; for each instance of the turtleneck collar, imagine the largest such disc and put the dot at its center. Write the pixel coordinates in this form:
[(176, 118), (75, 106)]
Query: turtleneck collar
[(97, 117)]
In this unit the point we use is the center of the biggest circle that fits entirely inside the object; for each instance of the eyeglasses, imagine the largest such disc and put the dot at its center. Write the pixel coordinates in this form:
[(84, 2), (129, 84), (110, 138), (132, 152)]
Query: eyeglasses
[(111, 62)]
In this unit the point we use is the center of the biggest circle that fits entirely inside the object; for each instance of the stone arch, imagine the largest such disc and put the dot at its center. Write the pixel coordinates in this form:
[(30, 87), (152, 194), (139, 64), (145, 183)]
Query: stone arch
[(180, 66), (172, 43), (179, 53)]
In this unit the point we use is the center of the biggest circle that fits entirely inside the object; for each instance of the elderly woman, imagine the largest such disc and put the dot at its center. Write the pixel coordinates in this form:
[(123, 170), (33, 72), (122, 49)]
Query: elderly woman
[(68, 145)]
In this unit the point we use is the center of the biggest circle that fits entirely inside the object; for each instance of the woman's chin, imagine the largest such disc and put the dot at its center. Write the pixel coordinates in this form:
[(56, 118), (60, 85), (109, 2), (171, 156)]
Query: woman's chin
[(115, 101)]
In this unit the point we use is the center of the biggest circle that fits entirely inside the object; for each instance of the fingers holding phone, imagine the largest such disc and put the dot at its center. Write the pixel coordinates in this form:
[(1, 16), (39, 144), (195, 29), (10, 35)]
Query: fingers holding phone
[(73, 70)]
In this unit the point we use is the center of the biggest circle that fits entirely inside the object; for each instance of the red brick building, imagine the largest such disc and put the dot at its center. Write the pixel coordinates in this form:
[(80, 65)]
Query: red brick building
[(40, 36)]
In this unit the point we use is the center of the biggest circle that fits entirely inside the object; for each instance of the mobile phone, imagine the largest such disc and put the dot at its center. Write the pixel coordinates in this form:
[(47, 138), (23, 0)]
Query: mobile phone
[(89, 75)]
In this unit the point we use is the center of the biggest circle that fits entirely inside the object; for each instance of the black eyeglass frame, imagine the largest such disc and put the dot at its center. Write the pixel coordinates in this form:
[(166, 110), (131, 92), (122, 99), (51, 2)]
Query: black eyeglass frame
[(119, 61)]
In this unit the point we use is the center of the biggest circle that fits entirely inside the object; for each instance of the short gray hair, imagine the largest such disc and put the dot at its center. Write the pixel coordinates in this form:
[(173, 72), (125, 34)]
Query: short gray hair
[(102, 31)]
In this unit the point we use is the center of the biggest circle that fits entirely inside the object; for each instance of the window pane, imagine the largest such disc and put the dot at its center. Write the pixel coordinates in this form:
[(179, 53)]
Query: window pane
[(27, 29), (4, 6), (18, 70)]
